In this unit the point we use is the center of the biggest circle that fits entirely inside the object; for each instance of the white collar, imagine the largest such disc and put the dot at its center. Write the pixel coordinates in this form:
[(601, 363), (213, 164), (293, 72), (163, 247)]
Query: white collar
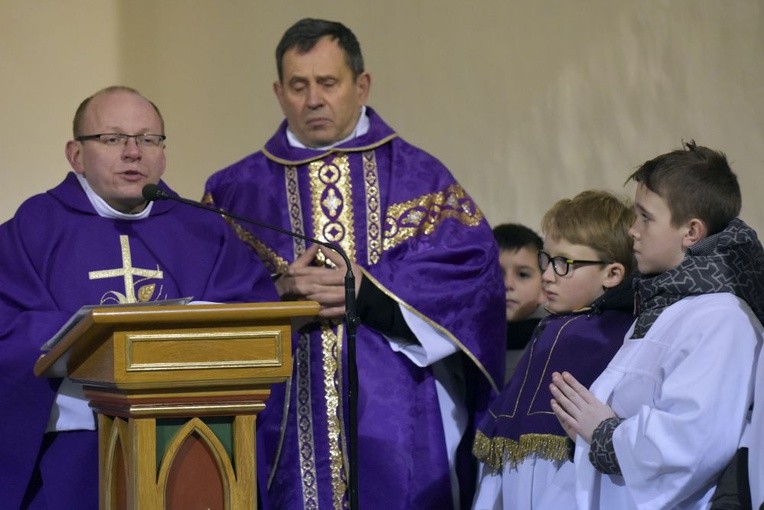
[(104, 210), (361, 128)]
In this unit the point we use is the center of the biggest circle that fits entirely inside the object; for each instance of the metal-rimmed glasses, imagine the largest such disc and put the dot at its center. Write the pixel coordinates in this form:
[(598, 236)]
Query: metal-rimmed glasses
[(561, 265), (120, 139)]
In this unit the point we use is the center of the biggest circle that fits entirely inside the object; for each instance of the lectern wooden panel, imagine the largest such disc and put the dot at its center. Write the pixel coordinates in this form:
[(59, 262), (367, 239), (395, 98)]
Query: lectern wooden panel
[(177, 390)]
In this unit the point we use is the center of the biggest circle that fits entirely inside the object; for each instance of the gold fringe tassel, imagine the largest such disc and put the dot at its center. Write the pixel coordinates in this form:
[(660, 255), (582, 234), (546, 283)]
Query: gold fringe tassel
[(498, 451)]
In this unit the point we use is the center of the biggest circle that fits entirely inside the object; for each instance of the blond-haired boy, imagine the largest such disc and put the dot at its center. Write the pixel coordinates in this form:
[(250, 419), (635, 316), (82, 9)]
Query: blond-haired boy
[(585, 264)]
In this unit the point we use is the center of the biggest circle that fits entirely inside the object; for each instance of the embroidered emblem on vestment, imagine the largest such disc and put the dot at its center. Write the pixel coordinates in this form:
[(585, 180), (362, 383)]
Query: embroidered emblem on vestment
[(422, 215), (128, 274), (331, 194)]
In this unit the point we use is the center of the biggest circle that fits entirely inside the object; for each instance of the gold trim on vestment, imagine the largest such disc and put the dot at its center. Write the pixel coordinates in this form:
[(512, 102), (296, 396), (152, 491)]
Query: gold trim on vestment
[(330, 194), (331, 344), (422, 215), (373, 204), (331, 198), (497, 452), (269, 258)]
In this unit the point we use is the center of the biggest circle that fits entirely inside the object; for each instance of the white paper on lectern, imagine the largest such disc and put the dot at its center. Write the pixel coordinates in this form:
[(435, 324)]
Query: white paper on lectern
[(79, 314)]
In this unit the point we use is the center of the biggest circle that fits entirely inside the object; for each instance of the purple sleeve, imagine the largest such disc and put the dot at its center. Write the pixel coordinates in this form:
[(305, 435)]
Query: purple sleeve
[(28, 317)]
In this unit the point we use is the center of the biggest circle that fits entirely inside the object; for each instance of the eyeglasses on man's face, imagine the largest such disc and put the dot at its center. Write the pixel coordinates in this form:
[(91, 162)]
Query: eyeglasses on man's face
[(561, 265), (120, 139)]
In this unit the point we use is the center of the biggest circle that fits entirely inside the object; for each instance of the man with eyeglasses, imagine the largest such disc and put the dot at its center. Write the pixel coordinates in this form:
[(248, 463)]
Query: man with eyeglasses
[(428, 283), (94, 240)]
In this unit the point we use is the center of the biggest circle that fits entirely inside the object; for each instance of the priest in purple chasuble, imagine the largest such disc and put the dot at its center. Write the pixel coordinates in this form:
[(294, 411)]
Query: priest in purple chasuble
[(93, 240), (429, 291)]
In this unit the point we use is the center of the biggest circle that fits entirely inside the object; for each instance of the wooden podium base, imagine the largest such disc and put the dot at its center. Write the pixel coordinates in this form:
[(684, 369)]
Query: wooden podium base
[(203, 461), (177, 390)]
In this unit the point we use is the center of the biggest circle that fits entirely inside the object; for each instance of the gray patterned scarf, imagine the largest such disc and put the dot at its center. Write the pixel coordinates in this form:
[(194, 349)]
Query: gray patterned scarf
[(729, 261)]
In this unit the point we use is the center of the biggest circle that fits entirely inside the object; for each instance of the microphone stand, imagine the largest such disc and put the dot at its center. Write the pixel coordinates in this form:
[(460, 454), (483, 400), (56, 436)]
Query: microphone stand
[(152, 192), (352, 320)]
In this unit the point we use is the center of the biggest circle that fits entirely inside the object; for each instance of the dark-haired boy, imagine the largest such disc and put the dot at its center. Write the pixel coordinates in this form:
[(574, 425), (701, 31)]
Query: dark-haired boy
[(518, 257), (666, 416)]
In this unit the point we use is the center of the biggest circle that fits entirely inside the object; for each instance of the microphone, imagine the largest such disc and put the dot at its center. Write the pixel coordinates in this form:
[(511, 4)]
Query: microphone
[(152, 193)]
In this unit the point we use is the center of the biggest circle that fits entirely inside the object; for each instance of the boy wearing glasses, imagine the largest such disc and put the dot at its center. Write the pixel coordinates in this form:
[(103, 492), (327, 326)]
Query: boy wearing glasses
[(585, 265), (667, 414)]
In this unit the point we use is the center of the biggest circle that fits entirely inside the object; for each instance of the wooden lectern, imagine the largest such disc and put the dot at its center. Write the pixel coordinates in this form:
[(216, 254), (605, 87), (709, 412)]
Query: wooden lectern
[(177, 390)]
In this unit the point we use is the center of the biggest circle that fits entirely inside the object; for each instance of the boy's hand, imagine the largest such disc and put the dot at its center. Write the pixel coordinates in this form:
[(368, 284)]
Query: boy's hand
[(578, 411)]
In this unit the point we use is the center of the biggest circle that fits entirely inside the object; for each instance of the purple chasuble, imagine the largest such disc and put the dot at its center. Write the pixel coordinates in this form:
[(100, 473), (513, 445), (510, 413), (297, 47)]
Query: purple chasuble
[(56, 255), (400, 214), (520, 422)]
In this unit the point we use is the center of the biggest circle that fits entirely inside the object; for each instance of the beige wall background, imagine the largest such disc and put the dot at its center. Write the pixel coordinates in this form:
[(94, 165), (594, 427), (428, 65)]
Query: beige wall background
[(527, 101)]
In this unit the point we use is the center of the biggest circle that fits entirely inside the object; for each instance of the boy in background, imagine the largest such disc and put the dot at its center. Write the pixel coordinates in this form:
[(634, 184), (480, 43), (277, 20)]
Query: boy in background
[(585, 266), (668, 413), (518, 257)]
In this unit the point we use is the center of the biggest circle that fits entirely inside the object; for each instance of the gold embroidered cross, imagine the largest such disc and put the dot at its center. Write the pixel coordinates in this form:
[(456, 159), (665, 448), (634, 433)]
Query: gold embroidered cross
[(127, 271), (332, 202)]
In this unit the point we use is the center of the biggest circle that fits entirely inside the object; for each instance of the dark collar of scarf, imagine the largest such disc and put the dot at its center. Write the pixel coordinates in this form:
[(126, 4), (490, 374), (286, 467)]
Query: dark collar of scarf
[(620, 297), (729, 261)]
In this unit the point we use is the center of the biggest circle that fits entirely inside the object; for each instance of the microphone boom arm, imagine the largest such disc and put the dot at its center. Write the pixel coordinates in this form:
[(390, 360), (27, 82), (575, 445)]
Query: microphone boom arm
[(152, 192)]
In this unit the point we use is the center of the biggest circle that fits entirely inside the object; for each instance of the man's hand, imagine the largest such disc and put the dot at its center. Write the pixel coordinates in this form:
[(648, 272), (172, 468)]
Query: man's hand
[(321, 284), (578, 411)]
